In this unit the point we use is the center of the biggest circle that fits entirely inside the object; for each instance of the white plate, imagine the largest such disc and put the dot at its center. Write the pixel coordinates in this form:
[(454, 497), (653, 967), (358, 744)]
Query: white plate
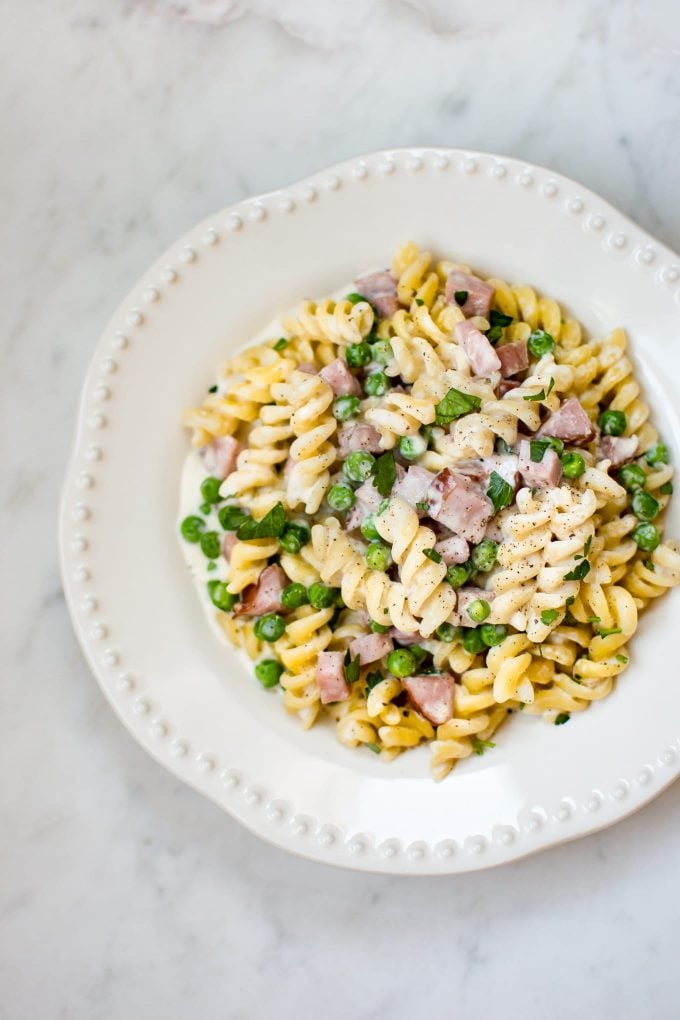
[(185, 698)]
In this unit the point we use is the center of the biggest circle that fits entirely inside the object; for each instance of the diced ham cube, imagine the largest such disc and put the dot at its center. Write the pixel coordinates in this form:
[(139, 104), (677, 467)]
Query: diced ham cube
[(617, 449), (228, 543), (542, 474), (371, 647), (402, 638), (369, 496), (465, 597), (514, 358), (413, 485), (307, 367), (220, 456), (340, 379), (456, 502), (504, 464), (264, 596), (570, 422), (453, 550), (358, 435), (330, 677), (432, 696), (505, 385), (381, 290), (478, 350), (479, 293)]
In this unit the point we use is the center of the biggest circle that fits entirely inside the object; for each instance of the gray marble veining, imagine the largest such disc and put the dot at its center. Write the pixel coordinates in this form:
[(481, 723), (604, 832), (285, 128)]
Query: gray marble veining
[(123, 893)]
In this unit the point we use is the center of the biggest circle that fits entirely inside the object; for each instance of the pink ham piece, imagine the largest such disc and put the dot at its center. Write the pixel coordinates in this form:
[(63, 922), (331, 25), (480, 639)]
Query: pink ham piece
[(381, 290), (368, 499), (505, 385), (617, 449), (340, 379), (220, 456), (453, 550), (478, 350), (413, 485), (265, 596), (504, 464), (432, 696), (570, 422), (228, 543), (307, 367), (371, 647), (358, 435), (402, 638), (468, 595), (330, 677), (541, 474), (479, 293), (514, 358), (457, 503)]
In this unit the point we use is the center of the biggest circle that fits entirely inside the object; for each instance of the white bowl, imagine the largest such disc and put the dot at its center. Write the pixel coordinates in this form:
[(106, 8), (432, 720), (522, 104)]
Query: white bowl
[(186, 699)]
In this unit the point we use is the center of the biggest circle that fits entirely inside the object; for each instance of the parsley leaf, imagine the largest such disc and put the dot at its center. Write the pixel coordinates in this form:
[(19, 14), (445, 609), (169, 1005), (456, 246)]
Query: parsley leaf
[(351, 667), (423, 506), (562, 718), (650, 565), (213, 389), (549, 616), (579, 572), (271, 525), (372, 680), (550, 386), (593, 619), (570, 601), (498, 319), (622, 658), (536, 396), (384, 473), (537, 447), (603, 632), (454, 405), (666, 489), (355, 298), (499, 492), (461, 297), (494, 334), (433, 555), (280, 344), (373, 747), (586, 547), (480, 746), (420, 302)]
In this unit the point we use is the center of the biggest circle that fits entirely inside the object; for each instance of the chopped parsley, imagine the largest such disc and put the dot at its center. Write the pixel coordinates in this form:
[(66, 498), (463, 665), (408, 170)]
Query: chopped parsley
[(423, 506), (604, 632), (372, 680), (593, 619), (355, 298), (537, 447), (384, 473), (586, 547), (622, 659), (280, 344), (373, 747), (480, 746), (433, 555), (562, 718), (666, 489), (461, 297), (498, 319), (271, 525), (454, 405), (570, 601), (499, 492), (579, 572), (549, 616), (420, 302), (542, 394), (650, 565), (351, 667), (212, 389)]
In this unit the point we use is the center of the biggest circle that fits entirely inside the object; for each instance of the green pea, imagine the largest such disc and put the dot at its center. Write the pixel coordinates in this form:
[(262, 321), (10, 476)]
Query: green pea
[(401, 662), (573, 465), (268, 672), (378, 556), (358, 355), (412, 447), (473, 642), (382, 352), (321, 596), (191, 528), (478, 610), (269, 627), (378, 628), (220, 596), (358, 466), (369, 530), (457, 575), (540, 343), (646, 537), (447, 632), (230, 517), (294, 537), (293, 596), (205, 508), (493, 633), (426, 432), (210, 489), (632, 477), (340, 497), (644, 506), (484, 555), (420, 654), (210, 544), (612, 423), (345, 408), (376, 384), (657, 454)]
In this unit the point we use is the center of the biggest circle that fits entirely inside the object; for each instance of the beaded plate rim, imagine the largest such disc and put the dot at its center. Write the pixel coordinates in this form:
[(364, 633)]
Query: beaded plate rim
[(267, 814)]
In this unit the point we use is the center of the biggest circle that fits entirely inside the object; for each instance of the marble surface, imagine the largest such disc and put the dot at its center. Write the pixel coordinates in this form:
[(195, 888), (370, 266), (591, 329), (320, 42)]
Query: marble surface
[(123, 893)]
